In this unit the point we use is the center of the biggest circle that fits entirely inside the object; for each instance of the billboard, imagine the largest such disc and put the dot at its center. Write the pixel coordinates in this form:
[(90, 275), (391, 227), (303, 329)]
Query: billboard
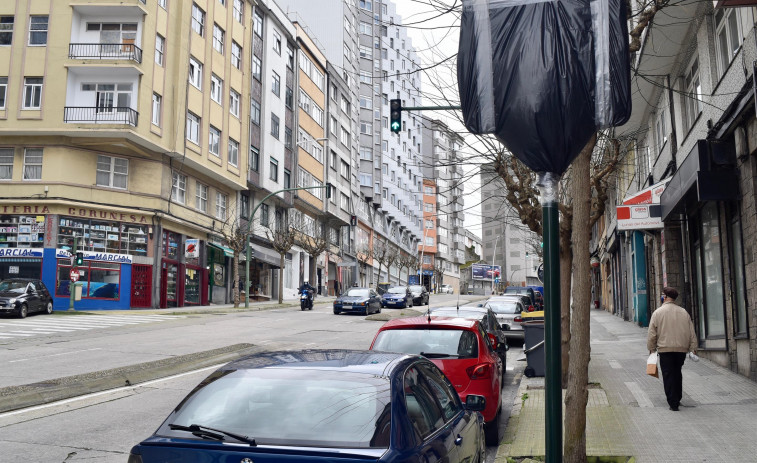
[(486, 272)]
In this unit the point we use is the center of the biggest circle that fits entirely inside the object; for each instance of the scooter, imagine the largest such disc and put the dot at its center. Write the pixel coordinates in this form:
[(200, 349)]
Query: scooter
[(306, 300)]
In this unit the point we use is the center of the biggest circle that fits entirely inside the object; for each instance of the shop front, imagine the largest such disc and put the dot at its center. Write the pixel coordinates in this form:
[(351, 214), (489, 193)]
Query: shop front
[(105, 279), (183, 277), (21, 263)]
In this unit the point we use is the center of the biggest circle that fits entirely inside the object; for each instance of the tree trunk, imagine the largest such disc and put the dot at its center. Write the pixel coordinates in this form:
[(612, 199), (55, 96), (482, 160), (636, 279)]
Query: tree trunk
[(577, 395), (313, 273), (378, 278), (281, 278), (235, 277), (566, 257)]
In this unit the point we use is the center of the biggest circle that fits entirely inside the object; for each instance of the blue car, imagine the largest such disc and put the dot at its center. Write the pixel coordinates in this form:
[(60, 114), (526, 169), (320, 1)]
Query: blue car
[(358, 300), (397, 296), (321, 406)]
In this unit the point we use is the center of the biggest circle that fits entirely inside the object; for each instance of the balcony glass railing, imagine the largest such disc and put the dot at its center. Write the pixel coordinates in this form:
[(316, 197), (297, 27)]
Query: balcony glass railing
[(100, 115), (123, 51)]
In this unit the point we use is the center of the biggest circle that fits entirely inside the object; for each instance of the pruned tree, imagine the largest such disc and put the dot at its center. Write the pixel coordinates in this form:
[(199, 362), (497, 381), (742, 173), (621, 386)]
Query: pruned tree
[(381, 252), (234, 232), (282, 237), (407, 261), (391, 259), (312, 238)]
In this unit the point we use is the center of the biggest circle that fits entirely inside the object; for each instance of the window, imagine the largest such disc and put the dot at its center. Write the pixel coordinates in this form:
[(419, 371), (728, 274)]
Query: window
[(311, 108), (289, 97), (239, 10), (365, 28), (198, 20), (287, 178), (255, 112), (345, 170), (234, 102), (344, 202), (33, 164), (218, 38), (38, 30), (6, 30), (157, 102), (366, 153), (727, 37), (276, 84), (288, 137), (429, 224), (366, 128), (216, 88), (428, 207), (423, 410), (160, 46), (195, 73), (308, 143), (366, 102), (708, 272), (193, 128), (162, 4), (345, 105), (244, 205), (661, 135), (344, 136), (112, 172), (101, 280), (214, 140), (366, 52), (6, 163), (429, 190), (274, 170), (32, 92), (334, 161), (221, 204), (233, 152), (275, 126), (201, 197), (257, 24), (256, 67), (365, 4), (3, 91), (277, 43), (179, 188), (366, 180), (692, 98), (740, 325), (254, 159), (236, 55), (264, 215)]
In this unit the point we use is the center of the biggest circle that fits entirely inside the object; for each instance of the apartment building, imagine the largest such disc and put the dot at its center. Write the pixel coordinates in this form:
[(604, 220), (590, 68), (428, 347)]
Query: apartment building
[(120, 130)]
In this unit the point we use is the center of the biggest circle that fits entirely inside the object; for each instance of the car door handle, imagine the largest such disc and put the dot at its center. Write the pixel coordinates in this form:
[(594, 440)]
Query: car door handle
[(459, 440)]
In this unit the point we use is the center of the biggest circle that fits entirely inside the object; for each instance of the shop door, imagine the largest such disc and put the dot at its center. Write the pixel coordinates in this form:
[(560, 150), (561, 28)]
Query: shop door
[(20, 268), (141, 286)]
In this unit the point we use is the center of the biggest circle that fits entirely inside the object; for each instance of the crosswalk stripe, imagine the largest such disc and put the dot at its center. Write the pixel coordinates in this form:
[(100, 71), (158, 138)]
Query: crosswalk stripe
[(14, 334), (47, 325)]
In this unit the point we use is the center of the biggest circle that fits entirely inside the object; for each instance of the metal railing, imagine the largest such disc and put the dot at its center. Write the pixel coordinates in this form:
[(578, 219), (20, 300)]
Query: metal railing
[(125, 51), (99, 115)]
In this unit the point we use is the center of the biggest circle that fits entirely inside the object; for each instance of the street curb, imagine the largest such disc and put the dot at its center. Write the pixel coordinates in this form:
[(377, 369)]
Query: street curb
[(30, 395)]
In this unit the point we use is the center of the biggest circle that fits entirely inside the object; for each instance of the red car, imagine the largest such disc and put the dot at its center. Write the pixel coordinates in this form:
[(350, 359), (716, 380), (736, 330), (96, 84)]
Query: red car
[(461, 349)]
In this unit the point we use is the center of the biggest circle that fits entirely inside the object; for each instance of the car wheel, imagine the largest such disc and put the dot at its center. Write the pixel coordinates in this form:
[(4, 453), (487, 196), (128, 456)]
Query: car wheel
[(49, 307), (336, 312), (491, 431), (23, 311)]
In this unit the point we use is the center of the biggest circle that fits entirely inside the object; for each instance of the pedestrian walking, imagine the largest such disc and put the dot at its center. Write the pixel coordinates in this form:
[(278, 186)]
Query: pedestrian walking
[(671, 334)]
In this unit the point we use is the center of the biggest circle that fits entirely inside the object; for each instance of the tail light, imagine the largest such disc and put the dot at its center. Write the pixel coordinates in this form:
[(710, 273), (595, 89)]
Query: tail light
[(481, 371), (517, 319), (530, 308)]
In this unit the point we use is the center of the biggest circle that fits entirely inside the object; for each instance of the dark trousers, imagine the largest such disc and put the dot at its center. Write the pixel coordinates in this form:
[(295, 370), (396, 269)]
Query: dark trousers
[(670, 364)]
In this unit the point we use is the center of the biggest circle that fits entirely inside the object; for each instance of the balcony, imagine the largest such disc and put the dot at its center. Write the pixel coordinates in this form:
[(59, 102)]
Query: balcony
[(109, 51), (99, 115)]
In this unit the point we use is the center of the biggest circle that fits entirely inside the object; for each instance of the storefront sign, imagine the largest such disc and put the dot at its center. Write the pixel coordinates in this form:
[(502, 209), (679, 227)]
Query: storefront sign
[(13, 269), (649, 195), (40, 210), (74, 275), (639, 217), (21, 252), (96, 256), (192, 248)]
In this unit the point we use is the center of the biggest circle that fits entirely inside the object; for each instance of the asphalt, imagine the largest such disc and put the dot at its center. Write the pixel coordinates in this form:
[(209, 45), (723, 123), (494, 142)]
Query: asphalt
[(628, 416)]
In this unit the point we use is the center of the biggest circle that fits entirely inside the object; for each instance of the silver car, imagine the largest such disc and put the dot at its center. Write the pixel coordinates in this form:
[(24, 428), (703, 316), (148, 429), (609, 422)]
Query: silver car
[(508, 312)]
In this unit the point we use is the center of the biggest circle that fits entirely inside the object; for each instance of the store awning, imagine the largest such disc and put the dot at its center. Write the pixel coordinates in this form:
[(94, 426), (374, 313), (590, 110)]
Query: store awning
[(227, 251), (267, 255), (707, 174)]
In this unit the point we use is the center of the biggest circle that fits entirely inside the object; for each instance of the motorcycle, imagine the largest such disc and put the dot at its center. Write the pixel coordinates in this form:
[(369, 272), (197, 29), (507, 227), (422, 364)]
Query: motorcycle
[(306, 300)]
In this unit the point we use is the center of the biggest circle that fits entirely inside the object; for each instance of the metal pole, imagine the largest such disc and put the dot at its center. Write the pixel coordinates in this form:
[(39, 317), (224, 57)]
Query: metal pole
[(494, 256), (552, 381), (71, 284)]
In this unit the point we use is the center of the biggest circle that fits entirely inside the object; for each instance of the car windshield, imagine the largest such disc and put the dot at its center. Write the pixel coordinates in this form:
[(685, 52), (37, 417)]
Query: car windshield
[(397, 290), (418, 289), (504, 307), (462, 313), (357, 293), (13, 286), (297, 407), (439, 342)]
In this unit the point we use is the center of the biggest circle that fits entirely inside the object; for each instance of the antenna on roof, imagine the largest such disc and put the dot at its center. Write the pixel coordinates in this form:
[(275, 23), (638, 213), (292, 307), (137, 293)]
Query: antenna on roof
[(428, 314)]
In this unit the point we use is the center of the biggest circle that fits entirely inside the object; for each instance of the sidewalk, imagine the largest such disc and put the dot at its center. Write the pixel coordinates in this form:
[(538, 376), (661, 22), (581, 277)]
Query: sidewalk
[(215, 308), (627, 414)]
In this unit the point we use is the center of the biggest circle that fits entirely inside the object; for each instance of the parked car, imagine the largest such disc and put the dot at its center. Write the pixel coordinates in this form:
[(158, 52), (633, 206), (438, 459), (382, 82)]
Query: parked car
[(359, 300), (22, 296), (461, 349), (420, 294), (397, 296), (320, 406), (488, 320), (446, 289), (522, 290), (508, 311), (525, 299)]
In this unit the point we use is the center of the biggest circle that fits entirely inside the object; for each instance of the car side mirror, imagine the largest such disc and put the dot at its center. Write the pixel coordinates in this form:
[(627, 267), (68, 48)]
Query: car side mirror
[(480, 305), (476, 403)]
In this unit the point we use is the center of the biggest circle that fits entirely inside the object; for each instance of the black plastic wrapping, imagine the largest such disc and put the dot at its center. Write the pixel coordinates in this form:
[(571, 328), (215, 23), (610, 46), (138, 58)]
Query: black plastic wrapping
[(543, 76)]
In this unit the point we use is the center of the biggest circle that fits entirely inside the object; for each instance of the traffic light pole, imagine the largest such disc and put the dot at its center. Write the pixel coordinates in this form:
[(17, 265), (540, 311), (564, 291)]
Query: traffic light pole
[(71, 285), (249, 227)]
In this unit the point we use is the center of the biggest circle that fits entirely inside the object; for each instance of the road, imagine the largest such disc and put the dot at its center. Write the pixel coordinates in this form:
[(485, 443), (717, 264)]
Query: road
[(102, 427)]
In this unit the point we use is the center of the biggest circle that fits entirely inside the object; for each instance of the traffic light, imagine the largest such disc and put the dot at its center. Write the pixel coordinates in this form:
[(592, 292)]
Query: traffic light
[(328, 191), (79, 259), (395, 115), (353, 220)]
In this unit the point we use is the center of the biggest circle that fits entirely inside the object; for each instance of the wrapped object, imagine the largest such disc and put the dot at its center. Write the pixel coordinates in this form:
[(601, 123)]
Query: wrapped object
[(652, 366), (543, 76)]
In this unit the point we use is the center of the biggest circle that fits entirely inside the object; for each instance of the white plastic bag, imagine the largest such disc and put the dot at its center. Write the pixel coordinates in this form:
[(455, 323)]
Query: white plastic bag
[(652, 366), (694, 357)]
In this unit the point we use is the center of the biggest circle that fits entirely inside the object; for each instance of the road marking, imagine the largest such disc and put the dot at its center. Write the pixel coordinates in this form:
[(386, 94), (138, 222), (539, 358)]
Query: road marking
[(43, 326), (639, 395), (615, 364), (14, 334), (54, 355)]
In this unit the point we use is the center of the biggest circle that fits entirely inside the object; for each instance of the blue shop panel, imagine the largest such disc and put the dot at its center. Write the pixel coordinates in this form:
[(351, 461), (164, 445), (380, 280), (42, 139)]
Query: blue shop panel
[(105, 279)]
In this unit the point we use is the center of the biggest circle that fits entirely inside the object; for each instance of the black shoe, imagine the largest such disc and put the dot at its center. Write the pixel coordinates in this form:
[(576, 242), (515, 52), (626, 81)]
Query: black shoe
[(675, 409)]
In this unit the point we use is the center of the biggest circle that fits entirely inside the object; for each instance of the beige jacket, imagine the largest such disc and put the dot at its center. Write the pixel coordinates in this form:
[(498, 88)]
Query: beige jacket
[(671, 330)]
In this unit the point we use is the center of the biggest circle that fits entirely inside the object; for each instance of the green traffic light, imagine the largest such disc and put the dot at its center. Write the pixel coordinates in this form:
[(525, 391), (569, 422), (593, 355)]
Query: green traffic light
[(395, 126)]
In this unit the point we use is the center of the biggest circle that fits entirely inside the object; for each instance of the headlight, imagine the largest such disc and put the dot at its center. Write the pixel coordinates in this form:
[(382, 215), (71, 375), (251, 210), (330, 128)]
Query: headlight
[(11, 301)]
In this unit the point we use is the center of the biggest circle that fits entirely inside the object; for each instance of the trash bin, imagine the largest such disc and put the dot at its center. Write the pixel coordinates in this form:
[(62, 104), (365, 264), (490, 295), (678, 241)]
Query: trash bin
[(533, 347)]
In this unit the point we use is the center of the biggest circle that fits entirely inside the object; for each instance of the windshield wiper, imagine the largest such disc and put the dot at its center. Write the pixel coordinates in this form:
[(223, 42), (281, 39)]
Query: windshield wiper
[(205, 431), (437, 355)]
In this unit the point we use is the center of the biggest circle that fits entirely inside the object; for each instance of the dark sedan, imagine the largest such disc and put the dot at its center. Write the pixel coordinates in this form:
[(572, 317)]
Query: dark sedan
[(358, 300), (321, 406), (420, 294), (397, 296), (22, 296)]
